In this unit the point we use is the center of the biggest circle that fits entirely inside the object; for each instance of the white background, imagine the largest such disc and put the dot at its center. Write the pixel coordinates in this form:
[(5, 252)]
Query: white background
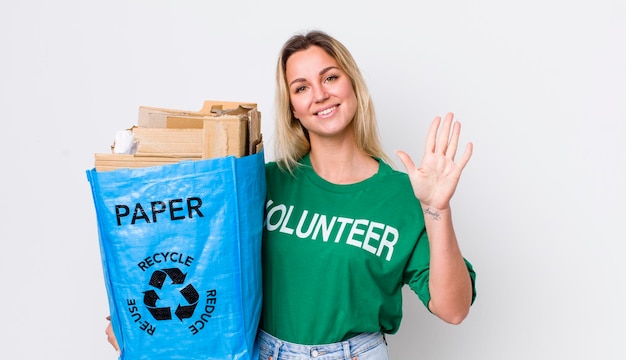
[(538, 85)]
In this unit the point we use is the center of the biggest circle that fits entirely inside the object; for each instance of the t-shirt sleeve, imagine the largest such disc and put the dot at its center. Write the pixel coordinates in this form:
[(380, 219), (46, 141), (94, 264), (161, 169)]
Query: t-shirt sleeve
[(417, 271)]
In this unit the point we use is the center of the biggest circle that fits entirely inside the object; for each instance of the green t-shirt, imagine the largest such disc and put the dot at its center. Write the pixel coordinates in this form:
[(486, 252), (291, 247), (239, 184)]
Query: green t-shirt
[(335, 257)]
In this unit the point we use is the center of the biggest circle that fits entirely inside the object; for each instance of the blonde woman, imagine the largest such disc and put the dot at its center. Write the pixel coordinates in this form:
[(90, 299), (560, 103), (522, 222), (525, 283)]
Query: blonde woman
[(344, 232)]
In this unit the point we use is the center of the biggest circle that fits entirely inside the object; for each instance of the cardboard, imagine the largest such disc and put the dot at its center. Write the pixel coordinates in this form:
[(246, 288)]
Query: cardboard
[(163, 136), (156, 117), (170, 142)]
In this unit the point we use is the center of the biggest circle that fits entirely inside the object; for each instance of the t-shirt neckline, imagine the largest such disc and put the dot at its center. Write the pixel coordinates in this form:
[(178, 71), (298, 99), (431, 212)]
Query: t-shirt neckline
[(309, 172)]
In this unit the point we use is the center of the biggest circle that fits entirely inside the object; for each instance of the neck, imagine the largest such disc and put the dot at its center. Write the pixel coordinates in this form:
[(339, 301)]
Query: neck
[(345, 164)]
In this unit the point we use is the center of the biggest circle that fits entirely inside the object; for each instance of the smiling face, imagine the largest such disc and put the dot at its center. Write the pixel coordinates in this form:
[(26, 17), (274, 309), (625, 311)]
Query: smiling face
[(321, 94)]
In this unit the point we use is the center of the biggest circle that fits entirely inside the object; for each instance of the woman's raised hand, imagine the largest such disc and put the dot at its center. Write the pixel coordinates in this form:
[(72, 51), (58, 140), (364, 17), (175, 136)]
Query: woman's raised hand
[(435, 180)]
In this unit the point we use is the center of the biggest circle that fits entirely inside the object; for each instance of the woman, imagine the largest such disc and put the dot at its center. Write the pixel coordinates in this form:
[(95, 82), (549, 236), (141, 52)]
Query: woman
[(344, 231)]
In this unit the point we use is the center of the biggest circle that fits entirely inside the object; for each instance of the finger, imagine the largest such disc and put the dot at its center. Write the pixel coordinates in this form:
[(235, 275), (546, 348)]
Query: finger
[(431, 137), (444, 134), (406, 160), (467, 154), (454, 141)]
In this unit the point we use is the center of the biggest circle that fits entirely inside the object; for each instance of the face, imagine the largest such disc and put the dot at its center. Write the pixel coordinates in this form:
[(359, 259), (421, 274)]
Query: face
[(321, 94)]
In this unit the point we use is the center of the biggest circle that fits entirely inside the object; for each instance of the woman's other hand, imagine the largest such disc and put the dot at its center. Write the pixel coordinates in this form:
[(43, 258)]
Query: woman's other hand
[(111, 336)]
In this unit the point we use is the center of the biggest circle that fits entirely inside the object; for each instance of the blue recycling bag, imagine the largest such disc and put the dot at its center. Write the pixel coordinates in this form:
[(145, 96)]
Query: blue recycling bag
[(181, 254)]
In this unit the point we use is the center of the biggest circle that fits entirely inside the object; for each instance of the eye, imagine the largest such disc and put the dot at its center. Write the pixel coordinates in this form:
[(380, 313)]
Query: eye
[(299, 89), (331, 78)]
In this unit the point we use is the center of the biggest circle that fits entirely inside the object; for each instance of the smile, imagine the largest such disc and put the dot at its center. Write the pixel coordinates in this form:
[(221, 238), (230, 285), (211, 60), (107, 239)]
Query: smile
[(326, 111)]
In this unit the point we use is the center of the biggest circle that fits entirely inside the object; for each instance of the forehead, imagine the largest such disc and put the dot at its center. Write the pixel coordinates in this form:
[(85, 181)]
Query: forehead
[(308, 62)]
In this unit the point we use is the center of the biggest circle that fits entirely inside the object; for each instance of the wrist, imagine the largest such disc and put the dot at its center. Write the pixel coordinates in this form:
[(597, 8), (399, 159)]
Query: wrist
[(435, 213)]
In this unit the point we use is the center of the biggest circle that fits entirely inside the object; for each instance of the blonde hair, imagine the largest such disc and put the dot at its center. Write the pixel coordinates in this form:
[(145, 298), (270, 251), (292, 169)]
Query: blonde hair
[(292, 141)]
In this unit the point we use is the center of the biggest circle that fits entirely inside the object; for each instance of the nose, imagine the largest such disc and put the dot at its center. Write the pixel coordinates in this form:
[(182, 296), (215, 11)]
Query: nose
[(320, 94)]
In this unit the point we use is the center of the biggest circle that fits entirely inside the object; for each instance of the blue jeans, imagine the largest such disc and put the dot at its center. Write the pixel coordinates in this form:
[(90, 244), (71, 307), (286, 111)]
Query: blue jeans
[(366, 346)]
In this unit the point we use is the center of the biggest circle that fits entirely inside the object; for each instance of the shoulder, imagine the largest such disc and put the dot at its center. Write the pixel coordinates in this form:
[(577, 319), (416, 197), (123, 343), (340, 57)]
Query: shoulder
[(273, 172), (397, 184), (271, 166), (391, 175)]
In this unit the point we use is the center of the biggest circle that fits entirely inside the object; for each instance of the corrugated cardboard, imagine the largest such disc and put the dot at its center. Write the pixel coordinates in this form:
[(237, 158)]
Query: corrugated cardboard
[(155, 117), (107, 162), (168, 135), (225, 135), (173, 142)]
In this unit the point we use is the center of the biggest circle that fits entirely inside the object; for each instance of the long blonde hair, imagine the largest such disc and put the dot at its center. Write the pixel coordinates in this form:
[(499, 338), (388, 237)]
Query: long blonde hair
[(292, 141)]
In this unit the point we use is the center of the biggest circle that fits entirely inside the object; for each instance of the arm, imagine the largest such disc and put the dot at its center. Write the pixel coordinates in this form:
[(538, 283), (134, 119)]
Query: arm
[(450, 284), (434, 182)]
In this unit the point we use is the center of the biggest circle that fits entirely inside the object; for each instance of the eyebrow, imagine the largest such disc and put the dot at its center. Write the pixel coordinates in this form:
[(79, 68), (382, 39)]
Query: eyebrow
[(323, 71)]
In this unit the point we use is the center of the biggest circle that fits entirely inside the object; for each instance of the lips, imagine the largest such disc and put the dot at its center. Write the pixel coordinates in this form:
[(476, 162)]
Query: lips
[(326, 111)]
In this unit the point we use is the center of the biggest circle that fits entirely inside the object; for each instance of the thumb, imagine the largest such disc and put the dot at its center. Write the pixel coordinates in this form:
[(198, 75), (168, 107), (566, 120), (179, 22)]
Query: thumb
[(406, 160)]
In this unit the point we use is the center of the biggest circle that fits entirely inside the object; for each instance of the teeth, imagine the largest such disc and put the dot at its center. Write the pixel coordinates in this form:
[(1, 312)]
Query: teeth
[(327, 111)]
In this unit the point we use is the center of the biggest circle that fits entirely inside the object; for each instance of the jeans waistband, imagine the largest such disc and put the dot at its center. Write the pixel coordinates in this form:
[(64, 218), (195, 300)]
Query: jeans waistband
[(339, 350)]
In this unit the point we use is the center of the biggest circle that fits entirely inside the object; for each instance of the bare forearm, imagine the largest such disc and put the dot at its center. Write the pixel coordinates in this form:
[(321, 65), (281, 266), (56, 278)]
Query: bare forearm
[(450, 283)]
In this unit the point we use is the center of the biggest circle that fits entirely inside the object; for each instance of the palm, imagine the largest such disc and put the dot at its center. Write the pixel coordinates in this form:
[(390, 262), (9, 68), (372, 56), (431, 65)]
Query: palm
[(435, 180)]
